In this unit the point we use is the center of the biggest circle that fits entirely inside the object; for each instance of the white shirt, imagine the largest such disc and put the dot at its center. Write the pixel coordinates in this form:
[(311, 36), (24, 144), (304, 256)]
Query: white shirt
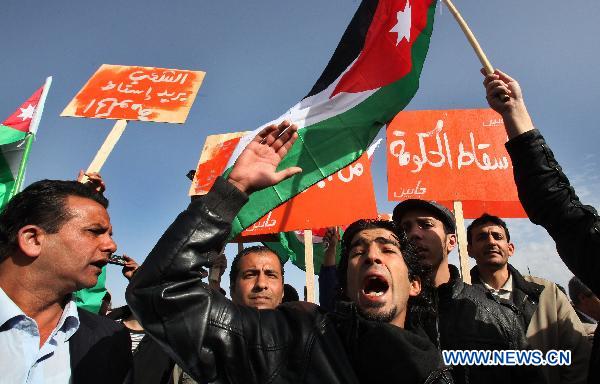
[(22, 361), (503, 292)]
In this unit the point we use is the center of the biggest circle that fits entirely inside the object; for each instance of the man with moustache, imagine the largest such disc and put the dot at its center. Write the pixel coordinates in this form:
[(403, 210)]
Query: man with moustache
[(256, 278), (550, 321), (55, 237), (465, 318), (218, 341)]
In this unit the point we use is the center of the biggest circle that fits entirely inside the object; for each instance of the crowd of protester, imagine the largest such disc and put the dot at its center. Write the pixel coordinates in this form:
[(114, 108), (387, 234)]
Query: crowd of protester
[(388, 311)]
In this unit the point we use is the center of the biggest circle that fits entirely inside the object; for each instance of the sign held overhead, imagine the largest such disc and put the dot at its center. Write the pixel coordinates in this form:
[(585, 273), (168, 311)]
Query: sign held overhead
[(137, 93)]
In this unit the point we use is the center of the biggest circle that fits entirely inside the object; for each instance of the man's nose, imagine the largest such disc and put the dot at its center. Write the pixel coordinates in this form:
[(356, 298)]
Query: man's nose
[(109, 245), (373, 255), (261, 282), (414, 233)]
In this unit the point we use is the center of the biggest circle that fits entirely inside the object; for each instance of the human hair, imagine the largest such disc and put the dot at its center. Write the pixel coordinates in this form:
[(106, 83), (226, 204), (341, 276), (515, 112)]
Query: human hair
[(576, 289), (235, 264), (486, 219), (416, 269), (289, 294), (42, 203)]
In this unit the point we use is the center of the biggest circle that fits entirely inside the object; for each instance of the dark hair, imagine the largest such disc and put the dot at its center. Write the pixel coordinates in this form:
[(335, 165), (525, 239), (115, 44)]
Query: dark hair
[(486, 219), (235, 264), (576, 289), (289, 294), (42, 204), (416, 269)]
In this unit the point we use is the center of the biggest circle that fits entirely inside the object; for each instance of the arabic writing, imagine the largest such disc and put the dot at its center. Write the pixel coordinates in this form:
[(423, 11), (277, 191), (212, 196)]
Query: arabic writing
[(410, 192), (137, 93), (353, 170), (266, 223), (441, 154)]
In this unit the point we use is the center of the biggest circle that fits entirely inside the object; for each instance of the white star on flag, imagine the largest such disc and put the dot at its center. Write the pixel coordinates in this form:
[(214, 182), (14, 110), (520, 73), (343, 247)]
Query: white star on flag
[(402, 27), (27, 113)]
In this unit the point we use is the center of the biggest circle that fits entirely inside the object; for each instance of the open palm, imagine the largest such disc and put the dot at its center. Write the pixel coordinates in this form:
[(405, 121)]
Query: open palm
[(256, 166)]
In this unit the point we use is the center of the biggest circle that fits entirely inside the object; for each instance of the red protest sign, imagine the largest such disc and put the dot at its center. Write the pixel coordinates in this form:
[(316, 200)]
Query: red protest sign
[(452, 155), (137, 93), (342, 198)]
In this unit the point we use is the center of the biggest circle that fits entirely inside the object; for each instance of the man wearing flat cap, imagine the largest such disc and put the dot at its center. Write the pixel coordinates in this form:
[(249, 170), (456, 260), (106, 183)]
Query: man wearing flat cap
[(466, 319)]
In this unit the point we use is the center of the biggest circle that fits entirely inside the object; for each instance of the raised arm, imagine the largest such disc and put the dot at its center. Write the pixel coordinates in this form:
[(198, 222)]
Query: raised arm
[(194, 324), (544, 190)]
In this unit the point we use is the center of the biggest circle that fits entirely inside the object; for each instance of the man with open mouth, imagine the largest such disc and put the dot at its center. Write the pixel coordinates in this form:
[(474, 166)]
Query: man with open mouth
[(218, 341)]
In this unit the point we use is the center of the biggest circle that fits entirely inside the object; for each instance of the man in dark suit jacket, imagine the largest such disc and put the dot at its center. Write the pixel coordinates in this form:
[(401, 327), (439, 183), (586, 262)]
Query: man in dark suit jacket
[(55, 237)]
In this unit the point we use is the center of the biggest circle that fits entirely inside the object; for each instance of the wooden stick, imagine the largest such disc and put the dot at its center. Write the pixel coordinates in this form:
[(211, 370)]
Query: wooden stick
[(461, 233), (240, 247), (106, 148), (309, 266), (463, 25)]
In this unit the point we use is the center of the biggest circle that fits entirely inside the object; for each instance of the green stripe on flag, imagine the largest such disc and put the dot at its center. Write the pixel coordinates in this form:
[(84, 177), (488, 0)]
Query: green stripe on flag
[(10, 135), (7, 182)]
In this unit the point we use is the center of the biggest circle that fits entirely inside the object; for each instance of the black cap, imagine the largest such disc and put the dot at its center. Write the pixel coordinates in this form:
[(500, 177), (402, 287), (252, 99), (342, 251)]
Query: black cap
[(440, 212)]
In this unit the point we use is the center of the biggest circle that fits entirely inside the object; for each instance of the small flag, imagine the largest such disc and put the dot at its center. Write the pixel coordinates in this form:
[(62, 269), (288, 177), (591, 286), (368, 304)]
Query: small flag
[(16, 134)]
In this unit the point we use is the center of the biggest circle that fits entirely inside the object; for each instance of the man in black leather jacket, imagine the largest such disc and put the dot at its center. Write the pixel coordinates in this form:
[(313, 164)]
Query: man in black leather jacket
[(466, 319), (546, 194), (213, 339)]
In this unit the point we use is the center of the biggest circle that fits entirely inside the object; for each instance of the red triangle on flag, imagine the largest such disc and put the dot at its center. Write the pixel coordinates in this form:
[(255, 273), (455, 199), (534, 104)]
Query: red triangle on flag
[(386, 55), (21, 118)]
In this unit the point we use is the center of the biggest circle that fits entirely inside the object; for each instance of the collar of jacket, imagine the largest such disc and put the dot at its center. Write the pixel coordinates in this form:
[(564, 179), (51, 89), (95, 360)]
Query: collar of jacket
[(530, 289), (452, 287), (525, 294)]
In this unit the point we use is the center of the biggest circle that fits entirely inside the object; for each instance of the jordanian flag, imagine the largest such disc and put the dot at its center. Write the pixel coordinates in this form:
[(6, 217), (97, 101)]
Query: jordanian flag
[(373, 74), (15, 138)]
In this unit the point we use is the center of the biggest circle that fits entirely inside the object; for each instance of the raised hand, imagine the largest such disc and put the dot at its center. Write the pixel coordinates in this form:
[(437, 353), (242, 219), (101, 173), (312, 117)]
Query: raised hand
[(332, 238), (256, 166), (130, 267), (93, 180), (513, 110)]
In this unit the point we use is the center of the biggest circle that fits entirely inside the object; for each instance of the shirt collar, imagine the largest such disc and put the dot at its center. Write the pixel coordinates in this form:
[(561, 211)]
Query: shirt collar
[(68, 323), (8, 309), (507, 287), (69, 320)]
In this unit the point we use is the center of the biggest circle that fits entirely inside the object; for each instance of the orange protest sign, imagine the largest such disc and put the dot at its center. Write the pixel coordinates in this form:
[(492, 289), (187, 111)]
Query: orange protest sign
[(137, 93), (342, 198), (214, 157), (453, 155)]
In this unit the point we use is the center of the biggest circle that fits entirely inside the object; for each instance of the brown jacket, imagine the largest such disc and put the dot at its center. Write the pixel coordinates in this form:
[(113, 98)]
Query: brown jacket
[(555, 325)]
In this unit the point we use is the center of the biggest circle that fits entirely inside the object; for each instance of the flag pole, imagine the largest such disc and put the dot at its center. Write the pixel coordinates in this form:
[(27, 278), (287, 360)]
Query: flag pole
[(33, 127), (472, 40), (461, 234), (309, 266), (487, 66), (106, 148)]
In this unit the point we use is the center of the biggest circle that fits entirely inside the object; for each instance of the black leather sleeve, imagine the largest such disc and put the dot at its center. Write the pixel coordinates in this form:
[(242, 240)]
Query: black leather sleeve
[(550, 201), (167, 294)]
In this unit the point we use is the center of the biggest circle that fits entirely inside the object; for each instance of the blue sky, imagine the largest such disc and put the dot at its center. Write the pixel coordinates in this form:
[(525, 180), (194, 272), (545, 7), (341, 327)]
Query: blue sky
[(261, 58)]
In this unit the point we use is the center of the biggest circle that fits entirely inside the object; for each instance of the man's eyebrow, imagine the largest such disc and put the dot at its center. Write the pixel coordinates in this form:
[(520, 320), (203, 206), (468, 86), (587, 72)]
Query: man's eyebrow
[(380, 240)]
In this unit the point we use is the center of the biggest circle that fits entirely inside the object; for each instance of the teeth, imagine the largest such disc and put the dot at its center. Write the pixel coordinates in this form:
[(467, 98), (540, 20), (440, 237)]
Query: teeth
[(377, 294)]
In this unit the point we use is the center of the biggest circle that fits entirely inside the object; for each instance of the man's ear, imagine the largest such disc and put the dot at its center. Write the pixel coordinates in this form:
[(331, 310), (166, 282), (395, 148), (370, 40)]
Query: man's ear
[(451, 241), (511, 249), (415, 287), (30, 239), (469, 251)]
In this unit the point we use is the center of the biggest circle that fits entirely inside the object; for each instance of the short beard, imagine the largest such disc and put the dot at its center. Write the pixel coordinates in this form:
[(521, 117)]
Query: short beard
[(385, 317)]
